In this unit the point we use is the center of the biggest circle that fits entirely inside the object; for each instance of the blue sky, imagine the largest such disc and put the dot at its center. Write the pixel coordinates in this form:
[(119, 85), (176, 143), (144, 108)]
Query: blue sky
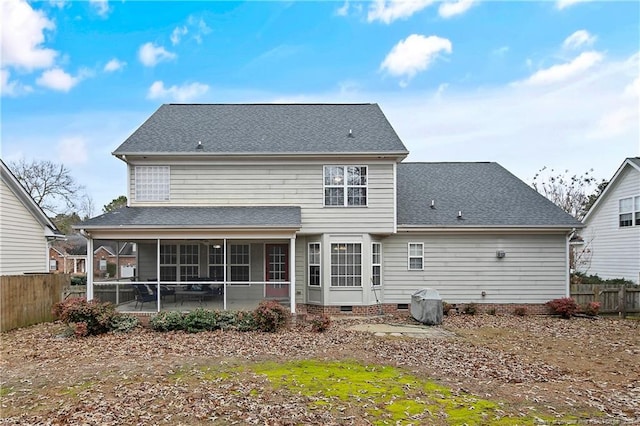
[(526, 84)]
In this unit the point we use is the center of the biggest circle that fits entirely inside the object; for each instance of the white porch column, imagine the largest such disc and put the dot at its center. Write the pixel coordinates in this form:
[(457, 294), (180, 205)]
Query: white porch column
[(90, 268), (158, 277), (224, 274), (292, 273)]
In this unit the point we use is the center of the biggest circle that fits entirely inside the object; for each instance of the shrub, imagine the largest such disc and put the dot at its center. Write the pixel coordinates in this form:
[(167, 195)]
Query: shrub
[(244, 321), (96, 316), (492, 311), (566, 307), (167, 321), (201, 320), (270, 316), (591, 308), (124, 323), (471, 309), (580, 278), (446, 307), (320, 323), (79, 280), (520, 311)]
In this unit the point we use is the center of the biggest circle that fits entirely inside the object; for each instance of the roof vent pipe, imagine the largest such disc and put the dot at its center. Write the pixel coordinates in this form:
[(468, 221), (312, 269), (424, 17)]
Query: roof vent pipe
[(459, 214), (350, 135), (433, 204), (199, 145)]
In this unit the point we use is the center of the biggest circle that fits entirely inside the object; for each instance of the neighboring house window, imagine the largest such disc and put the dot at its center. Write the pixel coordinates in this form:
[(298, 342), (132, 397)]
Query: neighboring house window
[(103, 264), (345, 186), (216, 262), (346, 264), (376, 263), (168, 263), (239, 261), (416, 256), (314, 264), (189, 262), (152, 183), (53, 265), (629, 211)]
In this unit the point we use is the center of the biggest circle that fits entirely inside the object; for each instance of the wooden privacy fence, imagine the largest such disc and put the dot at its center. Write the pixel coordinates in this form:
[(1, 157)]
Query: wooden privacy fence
[(27, 299), (613, 299)]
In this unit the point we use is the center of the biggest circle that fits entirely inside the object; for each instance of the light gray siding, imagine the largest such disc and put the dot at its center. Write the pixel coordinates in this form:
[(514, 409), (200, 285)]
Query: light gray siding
[(23, 246), (462, 266), (612, 251), (294, 184)]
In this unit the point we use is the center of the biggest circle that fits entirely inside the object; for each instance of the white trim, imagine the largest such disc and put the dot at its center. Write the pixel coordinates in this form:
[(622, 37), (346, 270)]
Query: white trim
[(409, 257), (395, 198), (567, 266), (309, 264), (608, 187), (362, 275), (89, 269)]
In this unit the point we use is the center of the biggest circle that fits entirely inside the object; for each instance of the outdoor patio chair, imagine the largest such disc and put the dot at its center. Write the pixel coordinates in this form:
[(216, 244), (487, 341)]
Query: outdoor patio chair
[(143, 294)]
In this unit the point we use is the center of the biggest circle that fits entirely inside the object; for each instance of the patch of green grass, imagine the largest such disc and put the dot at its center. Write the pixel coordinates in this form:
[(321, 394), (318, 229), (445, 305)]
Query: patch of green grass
[(75, 390), (390, 395), (5, 390)]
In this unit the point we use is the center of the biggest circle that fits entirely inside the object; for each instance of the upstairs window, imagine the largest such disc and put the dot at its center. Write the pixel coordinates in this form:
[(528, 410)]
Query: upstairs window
[(629, 210), (345, 186), (152, 183)]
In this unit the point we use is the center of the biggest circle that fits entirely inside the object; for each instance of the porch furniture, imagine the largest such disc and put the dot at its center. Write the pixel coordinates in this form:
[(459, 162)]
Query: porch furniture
[(142, 295)]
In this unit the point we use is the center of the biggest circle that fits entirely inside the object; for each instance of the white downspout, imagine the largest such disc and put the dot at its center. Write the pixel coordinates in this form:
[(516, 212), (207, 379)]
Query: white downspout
[(224, 274), (158, 277), (89, 266), (292, 273)]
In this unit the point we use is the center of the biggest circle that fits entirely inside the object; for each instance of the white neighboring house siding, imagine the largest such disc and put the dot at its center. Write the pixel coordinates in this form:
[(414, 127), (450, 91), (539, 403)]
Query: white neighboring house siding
[(463, 265), (614, 252), (294, 184), (23, 246)]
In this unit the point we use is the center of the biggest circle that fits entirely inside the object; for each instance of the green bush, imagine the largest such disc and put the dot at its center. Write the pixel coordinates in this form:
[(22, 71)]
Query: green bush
[(566, 307), (201, 320), (470, 309), (167, 321), (580, 278), (270, 316), (79, 280), (95, 315), (245, 321), (124, 323)]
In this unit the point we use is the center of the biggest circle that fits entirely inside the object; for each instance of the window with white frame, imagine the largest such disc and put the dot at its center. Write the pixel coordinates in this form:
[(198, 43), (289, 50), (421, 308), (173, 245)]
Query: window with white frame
[(216, 262), (416, 256), (345, 186), (152, 183), (314, 264), (189, 262), (629, 210), (168, 262), (376, 263), (239, 262), (346, 264), (53, 265)]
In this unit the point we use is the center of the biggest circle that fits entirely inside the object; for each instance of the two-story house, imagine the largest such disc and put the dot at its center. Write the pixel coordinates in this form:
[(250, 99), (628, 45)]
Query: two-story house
[(611, 239), (311, 204)]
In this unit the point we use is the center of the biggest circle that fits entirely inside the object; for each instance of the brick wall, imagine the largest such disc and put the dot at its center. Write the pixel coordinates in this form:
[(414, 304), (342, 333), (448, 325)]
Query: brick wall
[(371, 310)]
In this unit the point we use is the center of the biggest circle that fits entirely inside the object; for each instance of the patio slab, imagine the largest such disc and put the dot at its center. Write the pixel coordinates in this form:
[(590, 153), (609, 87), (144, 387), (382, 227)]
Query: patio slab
[(407, 330)]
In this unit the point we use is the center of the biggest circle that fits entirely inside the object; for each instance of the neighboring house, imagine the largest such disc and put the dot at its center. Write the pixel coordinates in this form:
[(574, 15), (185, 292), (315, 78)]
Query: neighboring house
[(114, 253), (612, 234), (25, 230), (310, 204), (69, 255)]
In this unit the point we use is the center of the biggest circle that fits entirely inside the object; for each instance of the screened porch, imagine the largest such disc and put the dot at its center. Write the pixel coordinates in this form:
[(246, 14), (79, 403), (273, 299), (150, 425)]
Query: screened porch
[(182, 275)]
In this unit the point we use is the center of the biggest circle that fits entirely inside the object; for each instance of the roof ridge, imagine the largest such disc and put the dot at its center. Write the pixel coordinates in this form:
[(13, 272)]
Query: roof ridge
[(271, 104)]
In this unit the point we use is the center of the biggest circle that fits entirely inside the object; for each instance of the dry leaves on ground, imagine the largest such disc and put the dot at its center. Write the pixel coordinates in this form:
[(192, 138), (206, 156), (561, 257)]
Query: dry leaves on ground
[(568, 367)]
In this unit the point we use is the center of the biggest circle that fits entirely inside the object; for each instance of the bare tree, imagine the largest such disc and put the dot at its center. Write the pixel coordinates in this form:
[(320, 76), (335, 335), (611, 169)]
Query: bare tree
[(86, 205), (571, 193), (50, 185)]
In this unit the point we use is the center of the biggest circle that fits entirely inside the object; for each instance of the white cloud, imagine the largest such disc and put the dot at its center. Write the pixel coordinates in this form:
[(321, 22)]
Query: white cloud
[(60, 4), (57, 79), (343, 10), (150, 54), (73, 150), (198, 27), (453, 8), (563, 72), (414, 54), (578, 39), (633, 89), (184, 93), (101, 7), (500, 51), (23, 35), (11, 88), (114, 65), (563, 4), (388, 11), (177, 34)]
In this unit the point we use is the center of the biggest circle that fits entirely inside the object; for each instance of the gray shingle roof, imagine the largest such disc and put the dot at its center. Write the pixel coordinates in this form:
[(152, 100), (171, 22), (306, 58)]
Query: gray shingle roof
[(197, 217), (485, 193), (264, 128)]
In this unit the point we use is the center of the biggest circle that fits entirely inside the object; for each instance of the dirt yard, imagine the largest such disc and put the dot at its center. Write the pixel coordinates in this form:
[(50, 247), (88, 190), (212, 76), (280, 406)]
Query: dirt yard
[(535, 370)]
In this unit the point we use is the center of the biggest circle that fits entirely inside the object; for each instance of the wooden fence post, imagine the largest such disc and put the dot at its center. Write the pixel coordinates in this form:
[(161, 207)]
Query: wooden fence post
[(622, 301)]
